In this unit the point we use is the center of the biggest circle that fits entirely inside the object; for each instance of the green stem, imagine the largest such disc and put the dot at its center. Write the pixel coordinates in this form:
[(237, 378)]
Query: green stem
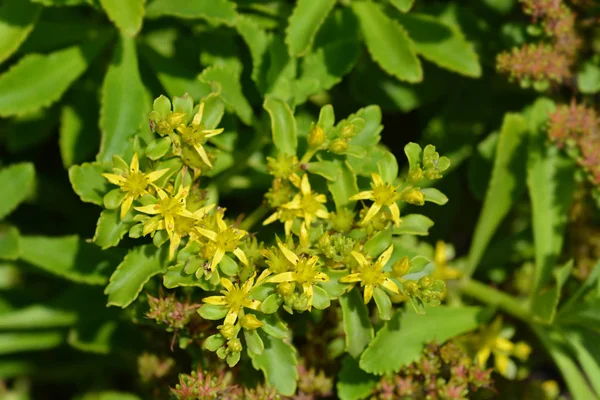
[(308, 155), (254, 217), (494, 297)]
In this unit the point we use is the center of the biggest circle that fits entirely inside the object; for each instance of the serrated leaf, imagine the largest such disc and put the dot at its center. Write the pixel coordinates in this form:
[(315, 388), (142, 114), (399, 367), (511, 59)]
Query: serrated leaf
[(17, 181), (139, 265), (88, 182), (37, 81), (388, 43), (278, 363), (127, 15), (414, 224), (343, 188), (69, 257), (545, 301), (17, 19), (357, 326), (111, 228), (10, 243), (257, 41), (231, 91), (385, 354), (123, 101), (441, 43), (214, 11), (550, 201), (354, 383), (15, 342), (402, 5), (327, 169), (304, 23), (283, 125), (505, 187)]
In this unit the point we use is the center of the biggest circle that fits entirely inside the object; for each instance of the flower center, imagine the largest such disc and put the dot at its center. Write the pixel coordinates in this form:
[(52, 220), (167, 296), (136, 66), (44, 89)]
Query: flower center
[(236, 298), (371, 276), (310, 204), (170, 206), (228, 239), (305, 271), (135, 183), (385, 194)]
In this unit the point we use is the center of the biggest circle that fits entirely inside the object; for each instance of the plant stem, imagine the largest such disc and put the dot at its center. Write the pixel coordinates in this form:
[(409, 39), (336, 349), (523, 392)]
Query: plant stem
[(308, 155), (494, 297), (254, 217)]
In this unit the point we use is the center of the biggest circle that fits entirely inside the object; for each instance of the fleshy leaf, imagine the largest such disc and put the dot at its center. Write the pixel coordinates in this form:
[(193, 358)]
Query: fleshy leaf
[(127, 15), (15, 342), (79, 135), (402, 5), (304, 23), (278, 362), (283, 125), (257, 41), (354, 383), (111, 228), (327, 169), (215, 11), (402, 339), (433, 195), (231, 91), (546, 300), (343, 188), (17, 19), (88, 182), (17, 181), (10, 243), (505, 187), (388, 43), (37, 81), (123, 101), (414, 224), (357, 326), (139, 265)]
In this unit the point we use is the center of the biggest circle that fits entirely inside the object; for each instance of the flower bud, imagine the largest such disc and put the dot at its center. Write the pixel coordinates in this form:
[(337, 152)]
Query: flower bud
[(426, 282), (401, 267), (286, 288), (338, 146), (411, 287), (228, 330), (234, 345), (415, 175), (348, 131), (249, 322), (413, 196), (316, 137), (522, 350)]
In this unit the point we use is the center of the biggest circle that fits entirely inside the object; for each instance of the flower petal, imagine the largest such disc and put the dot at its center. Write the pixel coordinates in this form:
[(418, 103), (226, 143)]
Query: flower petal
[(239, 253), (293, 258), (283, 277), (362, 261), (368, 293), (126, 205), (351, 278), (209, 234), (390, 285), (305, 185), (215, 300), (395, 214), (219, 254), (203, 154), (366, 195), (385, 257), (371, 213), (115, 179), (226, 283), (377, 179), (155, 175), (135, 163), (321, 277), (151, 209)]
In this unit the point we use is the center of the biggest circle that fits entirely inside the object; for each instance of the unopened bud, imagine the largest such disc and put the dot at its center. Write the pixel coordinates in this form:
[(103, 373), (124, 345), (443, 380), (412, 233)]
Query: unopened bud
[(522, 350), (401, 266), (411, 287), (415, 175), (228, 330), (413, 196), (348, 131), (234, 345), (338, 146), (286, 288), (426, 282), (316, 137), (249, 322)]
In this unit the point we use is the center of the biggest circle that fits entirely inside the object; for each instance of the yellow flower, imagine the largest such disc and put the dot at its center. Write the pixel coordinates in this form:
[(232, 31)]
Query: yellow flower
[(307, 204), (306, 272), (285, 216), (491, 342), (133, 182), (195, 135), (184, 226), (235, 297), (382, 194), (224, 240), (165, 210), (370, 274), (442, 270)]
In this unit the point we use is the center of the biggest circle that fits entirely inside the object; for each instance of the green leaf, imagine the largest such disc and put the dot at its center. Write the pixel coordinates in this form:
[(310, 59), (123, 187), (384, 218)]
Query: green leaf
[(576, 298), (283, 125), (17, 19), (505, 187), (383, 303), (103, 336), (402, 339), (10, 246), (37, 316), (388, 167), (378, 243), (558, 349), (273, 326), (551, 183), (17, 182), (433, 195), (123, 101), (37, 81), (278, 364), (585, 314), (402, 5), (231, 91), (545, 301), (109, 395), (480, 165), (334, 287), (441, 43), (586, 347), (304, 23), (327, 169), (62, 3), (354, 383), (15, 342), (357, 326), (212, 312), (79, 134), (320, 298), (388, 43), (127, 15), (254, 342), (69, 257), (111, 228), (588, 78), (139, 265), (88, 182), (343, 188), (257, 41), (214, 11), (414, 224)]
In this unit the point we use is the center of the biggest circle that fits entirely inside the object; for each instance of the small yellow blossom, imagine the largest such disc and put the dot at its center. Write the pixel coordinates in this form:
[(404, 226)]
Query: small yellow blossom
[(184, 226), (308, 204), (285, 216), (442, 270), (235, 298), (133, 182), (195, 135), (370, 274), (491, 342), (306, 272), (165, 210), (382, 194), (224, 240)]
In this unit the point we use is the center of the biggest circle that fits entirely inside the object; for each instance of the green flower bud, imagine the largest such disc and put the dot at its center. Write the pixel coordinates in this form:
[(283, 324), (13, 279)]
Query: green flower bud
[(411, 288), (250, 322), (426, 282), (229, 331), (234, 345), (348, 131), (338, 146), (316, 137), (401, 267), (286, 288), (413, 196)]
